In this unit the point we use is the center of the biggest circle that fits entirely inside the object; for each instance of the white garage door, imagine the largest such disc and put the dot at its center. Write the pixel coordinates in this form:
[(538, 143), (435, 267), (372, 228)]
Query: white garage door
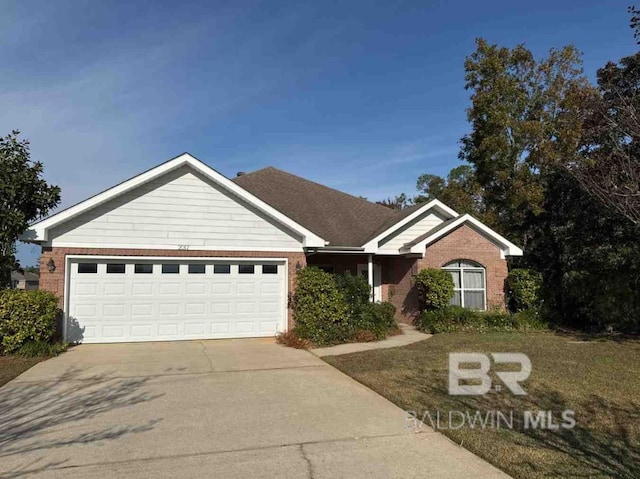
[(166, 300)]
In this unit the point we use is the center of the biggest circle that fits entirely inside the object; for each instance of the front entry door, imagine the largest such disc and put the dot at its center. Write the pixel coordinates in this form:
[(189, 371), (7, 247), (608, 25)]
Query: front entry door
[(377, 279)]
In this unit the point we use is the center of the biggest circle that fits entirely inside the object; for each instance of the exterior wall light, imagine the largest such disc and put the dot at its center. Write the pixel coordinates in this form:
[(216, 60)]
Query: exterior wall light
[(51, 266)]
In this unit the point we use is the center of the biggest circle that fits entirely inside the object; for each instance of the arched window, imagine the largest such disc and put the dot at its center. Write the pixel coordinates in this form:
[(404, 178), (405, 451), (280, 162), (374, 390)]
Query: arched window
[(470, 290)]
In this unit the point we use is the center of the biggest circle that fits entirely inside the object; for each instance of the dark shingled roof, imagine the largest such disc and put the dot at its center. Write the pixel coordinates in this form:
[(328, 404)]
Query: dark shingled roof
[(337, 217)]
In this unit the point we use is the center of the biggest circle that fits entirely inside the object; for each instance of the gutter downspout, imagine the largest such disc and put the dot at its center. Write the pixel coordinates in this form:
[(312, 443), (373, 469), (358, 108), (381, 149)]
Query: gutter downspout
[(370, 276)]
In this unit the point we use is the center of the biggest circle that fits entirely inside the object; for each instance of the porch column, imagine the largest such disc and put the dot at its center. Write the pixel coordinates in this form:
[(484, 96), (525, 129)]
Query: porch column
[(370, 276)]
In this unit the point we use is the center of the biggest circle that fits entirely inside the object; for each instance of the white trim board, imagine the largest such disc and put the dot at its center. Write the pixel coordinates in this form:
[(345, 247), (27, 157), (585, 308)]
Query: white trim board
[(245, 249), (38, 232)]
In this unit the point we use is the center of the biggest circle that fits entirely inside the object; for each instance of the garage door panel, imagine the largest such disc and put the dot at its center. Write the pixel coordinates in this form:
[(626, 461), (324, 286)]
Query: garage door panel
[(113, 311), (196, 288), (220, 328), (167, 289), (222, 308), (168, 330), (245, 308), (268, 326), (142, 310), (157, 306), (113, 289), (195, 309), (221, 289), (245, 327), (245, 288), (269, 287), (85, 288), (169, 309), (139, 331), (195, 329), (269, 307), (113, 331), (142, 289)]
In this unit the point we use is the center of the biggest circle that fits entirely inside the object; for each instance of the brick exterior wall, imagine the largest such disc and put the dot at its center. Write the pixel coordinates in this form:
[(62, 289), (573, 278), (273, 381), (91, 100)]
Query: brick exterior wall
[(397, 272), (54, 282), (466, 243), (396, 280)]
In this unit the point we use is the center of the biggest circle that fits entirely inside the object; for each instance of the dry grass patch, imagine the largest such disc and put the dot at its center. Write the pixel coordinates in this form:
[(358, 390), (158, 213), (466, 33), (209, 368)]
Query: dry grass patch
[(12, 366), (599, 380)]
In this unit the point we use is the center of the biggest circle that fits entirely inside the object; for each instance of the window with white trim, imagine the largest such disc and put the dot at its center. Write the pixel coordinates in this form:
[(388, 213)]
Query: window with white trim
[(469, 284)]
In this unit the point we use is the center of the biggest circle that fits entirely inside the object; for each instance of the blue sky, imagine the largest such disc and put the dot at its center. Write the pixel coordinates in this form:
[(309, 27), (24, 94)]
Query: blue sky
[(358, 95)]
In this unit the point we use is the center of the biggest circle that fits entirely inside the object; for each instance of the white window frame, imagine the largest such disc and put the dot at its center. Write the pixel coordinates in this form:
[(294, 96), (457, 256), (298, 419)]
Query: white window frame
[(460, 270)]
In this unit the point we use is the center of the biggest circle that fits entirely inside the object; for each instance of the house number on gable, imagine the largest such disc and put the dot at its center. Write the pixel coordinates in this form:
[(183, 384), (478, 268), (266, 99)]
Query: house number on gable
[(183, 247)]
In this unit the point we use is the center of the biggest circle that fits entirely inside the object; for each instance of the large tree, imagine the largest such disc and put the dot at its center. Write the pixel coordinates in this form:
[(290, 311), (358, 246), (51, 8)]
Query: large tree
[(399, 202), (609, 165), (460, 190), (526, 117), (24, 197)]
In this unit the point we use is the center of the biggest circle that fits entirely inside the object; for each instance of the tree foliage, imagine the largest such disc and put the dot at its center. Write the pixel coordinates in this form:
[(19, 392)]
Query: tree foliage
[(609, 164), (24, 197), (399, 202), (555, 167), (460, 190), (589, 260), (526, 117)]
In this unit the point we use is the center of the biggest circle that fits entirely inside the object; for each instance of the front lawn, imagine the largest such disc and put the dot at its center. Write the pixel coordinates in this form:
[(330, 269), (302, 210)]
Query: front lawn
[(13, 366), (599, 380)]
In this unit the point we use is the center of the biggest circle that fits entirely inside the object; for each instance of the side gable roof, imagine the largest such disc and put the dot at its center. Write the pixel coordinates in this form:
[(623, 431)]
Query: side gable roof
[(419, 244), (38, 231), (340, 218)]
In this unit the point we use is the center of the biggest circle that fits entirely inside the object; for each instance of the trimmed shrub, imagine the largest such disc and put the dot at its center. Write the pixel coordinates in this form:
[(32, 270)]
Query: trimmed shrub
[(435, 289), (388, 310), (41, 349), (523, 289), (332, 309), (319, 308), (356, 292), (378, 318), (456, 319), (26, 316)]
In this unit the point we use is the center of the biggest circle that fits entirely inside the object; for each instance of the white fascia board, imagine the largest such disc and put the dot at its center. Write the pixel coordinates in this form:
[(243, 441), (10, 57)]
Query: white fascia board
[(372, 245), (507, 248), (38, 231)]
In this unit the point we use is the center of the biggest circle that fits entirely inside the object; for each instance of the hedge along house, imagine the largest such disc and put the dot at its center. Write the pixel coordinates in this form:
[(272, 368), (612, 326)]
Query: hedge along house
[(182, 252)]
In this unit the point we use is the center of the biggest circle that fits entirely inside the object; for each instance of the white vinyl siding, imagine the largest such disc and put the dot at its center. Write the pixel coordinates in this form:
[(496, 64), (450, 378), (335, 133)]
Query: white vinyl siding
[(410, 232), (181, 209)]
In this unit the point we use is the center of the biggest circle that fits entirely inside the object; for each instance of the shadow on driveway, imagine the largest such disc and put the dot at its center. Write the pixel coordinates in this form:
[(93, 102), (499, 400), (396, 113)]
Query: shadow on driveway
[(39, 416)]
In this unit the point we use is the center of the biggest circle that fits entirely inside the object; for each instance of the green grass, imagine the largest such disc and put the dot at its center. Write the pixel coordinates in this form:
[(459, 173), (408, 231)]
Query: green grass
[(13, 366), (599, 380)]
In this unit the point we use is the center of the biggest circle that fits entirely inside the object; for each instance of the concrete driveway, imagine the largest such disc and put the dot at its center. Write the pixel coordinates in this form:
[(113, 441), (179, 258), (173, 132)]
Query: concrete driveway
[(227, 408)]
